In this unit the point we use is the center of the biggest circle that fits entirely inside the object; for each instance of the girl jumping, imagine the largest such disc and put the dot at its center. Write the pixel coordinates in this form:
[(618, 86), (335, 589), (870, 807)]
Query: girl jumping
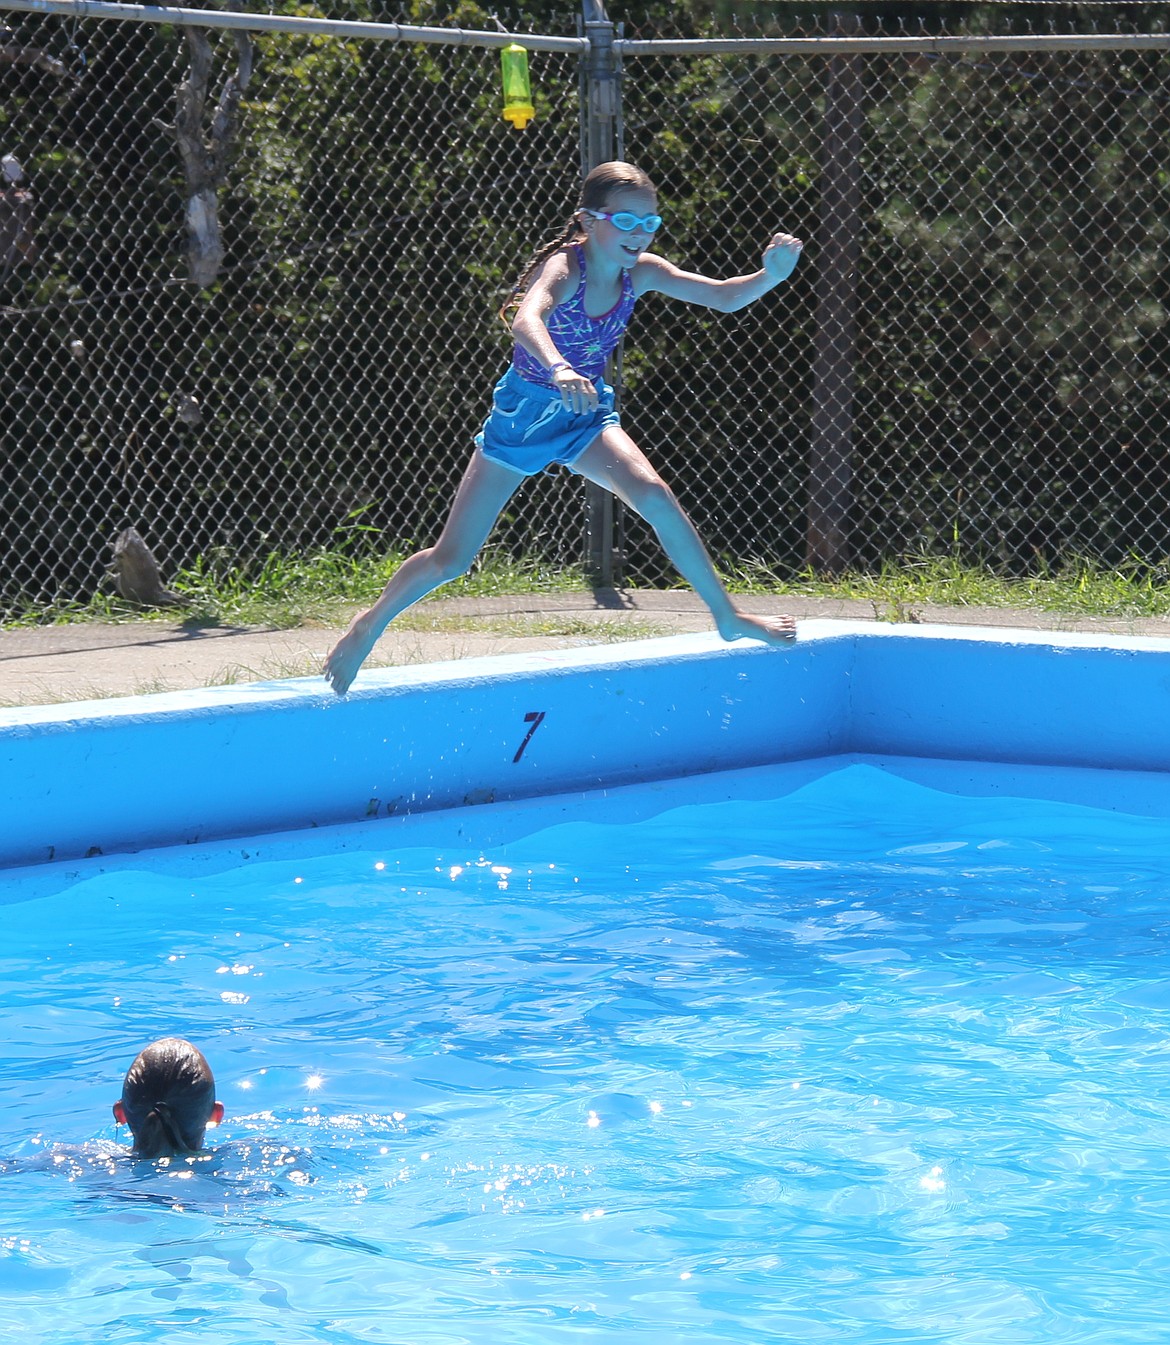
[(572, 305)]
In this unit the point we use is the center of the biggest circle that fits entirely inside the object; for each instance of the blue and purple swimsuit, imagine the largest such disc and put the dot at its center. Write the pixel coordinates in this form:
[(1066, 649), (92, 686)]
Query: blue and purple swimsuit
[(528, 428)]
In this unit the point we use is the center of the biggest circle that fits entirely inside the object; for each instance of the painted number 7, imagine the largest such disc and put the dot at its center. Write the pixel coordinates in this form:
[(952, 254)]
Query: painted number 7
[(534, 718)]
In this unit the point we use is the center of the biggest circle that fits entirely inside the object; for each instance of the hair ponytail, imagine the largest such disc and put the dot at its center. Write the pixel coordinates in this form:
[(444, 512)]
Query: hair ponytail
[(158, 1135), (572, 233)]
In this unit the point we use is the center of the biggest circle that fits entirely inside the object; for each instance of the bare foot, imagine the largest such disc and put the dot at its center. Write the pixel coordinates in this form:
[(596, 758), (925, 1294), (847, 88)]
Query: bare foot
[(773, 630), (349, 653)]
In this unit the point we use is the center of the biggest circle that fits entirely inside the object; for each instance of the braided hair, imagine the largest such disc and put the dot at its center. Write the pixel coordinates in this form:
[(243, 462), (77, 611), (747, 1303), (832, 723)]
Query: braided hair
[(595, 191), (168, 1096)]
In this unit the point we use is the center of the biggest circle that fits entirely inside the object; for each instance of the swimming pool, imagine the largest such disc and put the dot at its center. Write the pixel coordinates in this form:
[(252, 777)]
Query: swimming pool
[(106, 777), (858, 1046)]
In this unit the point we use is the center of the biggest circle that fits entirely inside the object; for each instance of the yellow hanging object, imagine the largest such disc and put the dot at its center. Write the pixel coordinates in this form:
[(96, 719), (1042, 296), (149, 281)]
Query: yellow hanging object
[(518, 107)]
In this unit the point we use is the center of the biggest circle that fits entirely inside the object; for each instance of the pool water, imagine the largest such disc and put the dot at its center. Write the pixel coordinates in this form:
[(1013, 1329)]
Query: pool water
[(851, 1050)]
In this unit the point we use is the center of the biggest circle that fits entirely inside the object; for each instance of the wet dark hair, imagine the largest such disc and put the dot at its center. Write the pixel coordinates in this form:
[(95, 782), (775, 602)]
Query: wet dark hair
[(595, 191), (168, 1096)]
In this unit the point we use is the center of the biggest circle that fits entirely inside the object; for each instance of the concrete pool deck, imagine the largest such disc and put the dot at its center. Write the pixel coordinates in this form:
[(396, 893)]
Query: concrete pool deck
[(94, 660)]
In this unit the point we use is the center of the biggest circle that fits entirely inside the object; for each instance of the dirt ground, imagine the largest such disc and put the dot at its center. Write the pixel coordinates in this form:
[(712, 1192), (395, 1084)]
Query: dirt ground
[(94, 660)]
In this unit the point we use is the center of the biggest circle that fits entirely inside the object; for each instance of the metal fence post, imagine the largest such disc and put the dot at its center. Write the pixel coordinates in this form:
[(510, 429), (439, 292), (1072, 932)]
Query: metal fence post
[(830, 466), (599, 145)]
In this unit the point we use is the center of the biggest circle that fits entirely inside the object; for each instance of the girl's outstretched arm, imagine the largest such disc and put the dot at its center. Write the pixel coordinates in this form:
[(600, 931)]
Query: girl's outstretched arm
[(779, 261)]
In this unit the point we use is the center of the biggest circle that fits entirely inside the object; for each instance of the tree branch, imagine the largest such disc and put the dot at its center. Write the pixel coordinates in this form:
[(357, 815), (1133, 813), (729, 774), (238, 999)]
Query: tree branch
[(206, 156)]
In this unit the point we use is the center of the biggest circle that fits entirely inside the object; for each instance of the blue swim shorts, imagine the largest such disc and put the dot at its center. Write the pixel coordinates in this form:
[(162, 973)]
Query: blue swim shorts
[(528, 429)]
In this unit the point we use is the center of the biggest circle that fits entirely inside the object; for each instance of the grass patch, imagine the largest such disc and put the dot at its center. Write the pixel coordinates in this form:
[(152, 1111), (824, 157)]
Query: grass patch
[(74, 695), (557, 625), (325, 588), (284, 592), (1080, 588)]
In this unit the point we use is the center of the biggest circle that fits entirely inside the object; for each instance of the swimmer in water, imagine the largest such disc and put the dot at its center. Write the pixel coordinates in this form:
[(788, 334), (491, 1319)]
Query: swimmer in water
[(168, 1099)]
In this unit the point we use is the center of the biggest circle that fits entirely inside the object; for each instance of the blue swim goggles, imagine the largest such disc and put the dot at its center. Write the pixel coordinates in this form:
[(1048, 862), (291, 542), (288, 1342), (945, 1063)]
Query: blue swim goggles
[(626, 220)]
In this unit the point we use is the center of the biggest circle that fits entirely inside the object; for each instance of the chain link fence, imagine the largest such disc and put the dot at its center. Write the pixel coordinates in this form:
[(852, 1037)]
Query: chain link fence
[(324, 388), (971, 359)]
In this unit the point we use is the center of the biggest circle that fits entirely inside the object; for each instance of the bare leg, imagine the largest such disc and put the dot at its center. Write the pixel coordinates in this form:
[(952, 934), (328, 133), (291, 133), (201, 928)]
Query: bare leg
[(485, 489), (614, 461)]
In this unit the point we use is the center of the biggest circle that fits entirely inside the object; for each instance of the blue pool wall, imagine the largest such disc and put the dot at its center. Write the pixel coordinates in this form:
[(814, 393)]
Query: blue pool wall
[(1018, 697), (115, 776)]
